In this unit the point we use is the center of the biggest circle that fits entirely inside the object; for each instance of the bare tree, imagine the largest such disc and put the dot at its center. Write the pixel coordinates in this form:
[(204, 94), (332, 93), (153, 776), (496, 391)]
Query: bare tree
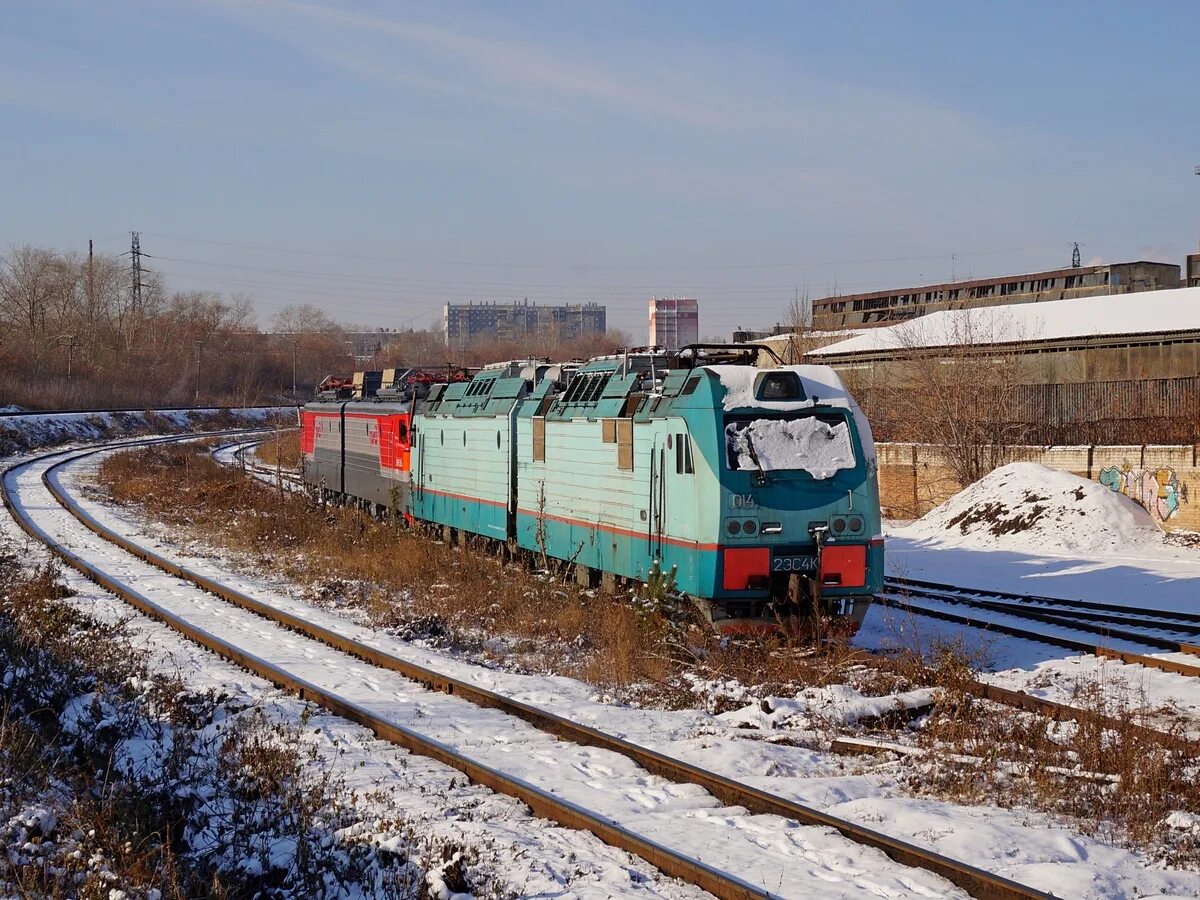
[(28, 280), (797, 317), (953, 388), (304, 319)]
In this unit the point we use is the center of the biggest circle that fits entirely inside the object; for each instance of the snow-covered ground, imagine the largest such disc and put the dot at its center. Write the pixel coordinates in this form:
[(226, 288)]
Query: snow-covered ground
[(765, 850), (1033, 530), (44, 429), (1020, 844), (525, 855)]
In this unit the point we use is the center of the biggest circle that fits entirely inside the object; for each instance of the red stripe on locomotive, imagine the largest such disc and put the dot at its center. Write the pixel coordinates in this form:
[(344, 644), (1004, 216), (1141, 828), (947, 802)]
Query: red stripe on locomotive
[(391, 433)]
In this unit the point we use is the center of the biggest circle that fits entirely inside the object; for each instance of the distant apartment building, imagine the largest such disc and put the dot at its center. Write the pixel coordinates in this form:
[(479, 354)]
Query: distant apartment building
[(470, 323), (896, 304), (1193, 270), (674, 322)]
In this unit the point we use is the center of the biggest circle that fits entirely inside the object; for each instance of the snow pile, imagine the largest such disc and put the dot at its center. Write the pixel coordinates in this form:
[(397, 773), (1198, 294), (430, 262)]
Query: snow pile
[(805, 444), (831, 705), (1029, 507)]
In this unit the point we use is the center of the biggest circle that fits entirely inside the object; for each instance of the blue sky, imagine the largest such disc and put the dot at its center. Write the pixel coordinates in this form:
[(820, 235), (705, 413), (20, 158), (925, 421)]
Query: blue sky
[(409, 154)]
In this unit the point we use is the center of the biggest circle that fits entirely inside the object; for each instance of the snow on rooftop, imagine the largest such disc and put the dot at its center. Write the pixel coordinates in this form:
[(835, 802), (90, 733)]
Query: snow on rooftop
[(1147, 311), (821, 384), (812, 335)]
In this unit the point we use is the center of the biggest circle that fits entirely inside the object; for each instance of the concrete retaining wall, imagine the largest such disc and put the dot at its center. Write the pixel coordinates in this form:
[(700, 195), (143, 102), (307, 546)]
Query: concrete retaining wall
[(914, 478)]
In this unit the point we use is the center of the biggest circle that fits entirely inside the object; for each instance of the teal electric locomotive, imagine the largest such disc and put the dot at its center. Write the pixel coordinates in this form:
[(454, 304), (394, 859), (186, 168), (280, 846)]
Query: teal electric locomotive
[(756, 487)]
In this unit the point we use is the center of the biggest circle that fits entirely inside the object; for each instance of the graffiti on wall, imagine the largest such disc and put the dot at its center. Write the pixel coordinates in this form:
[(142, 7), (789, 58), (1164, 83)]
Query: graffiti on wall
[(1159, 490)]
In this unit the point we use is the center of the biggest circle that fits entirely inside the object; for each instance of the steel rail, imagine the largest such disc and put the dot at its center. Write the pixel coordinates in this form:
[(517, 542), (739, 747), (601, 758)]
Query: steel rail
[(1155, 620), (1040, 599), (1155, 624), (1165, 665), (262, 468), (247, 466), (1051, 709), (543, 803), (975, 881), (1063, 618), (20, 413)]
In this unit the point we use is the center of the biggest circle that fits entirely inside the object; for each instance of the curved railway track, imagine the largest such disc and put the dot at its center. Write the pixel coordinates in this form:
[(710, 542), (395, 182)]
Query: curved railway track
[(338, 639), (1009, 614), (22, 413), (239, 455), (984, 690)]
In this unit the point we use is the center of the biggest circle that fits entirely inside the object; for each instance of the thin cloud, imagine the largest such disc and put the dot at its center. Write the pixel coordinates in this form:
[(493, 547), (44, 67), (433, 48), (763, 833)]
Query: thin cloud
[(518, 65)]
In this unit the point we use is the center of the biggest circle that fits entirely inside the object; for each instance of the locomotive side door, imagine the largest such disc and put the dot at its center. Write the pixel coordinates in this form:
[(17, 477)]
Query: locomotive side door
[(658, 496), (673, 502)]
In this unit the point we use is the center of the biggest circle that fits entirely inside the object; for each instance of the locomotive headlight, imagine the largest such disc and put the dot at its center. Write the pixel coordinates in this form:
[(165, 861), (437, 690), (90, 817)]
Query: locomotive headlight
[(838, 525), (733, 526), (780, 386), (856, 523), (750, 526)]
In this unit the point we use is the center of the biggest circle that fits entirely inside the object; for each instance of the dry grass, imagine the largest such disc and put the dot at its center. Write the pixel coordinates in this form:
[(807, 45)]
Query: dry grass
[(1023, 759), (218, 792), (469, 596), (281, 450)]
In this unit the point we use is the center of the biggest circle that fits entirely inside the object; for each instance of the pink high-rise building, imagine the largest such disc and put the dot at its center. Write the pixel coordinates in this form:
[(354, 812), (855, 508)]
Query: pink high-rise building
[(674, 322)]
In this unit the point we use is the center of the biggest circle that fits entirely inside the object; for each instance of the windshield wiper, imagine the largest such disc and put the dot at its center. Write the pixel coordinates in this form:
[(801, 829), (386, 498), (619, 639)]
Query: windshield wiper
[(761, 477)]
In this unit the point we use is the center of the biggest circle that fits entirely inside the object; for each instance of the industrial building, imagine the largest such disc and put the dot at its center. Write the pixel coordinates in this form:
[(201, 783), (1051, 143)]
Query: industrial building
[(897, 304), (468, 323), (745, 335), (674, 322), (1109, 366), (1081, 340)]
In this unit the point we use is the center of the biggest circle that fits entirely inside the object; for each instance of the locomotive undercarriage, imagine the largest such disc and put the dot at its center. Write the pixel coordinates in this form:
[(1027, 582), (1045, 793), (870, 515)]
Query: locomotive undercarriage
[(795, 603)]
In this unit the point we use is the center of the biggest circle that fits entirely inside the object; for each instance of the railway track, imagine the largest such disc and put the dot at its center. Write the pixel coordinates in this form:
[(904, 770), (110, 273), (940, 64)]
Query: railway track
[(226, 454), (239, 454), (1016, 699), (1015, 615), (232, 624), (1167, 617), (22, 413)]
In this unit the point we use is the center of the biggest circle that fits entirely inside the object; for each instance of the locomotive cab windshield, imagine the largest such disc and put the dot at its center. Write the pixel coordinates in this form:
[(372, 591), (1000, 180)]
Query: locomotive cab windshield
[(819, 444)]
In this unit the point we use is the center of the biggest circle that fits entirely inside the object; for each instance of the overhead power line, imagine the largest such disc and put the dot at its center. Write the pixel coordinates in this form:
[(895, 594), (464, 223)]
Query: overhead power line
[(424, 283), (388, 296), (607, 266)]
